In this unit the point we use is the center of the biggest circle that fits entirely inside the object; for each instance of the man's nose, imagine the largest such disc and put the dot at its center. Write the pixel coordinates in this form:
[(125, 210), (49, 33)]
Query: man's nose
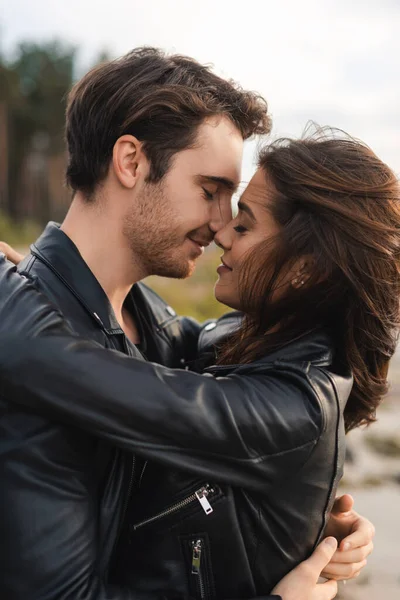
[(221, 214)]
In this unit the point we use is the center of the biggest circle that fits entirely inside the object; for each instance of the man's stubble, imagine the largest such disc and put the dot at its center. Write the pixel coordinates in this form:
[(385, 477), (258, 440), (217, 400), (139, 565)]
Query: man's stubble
[(150, 226)]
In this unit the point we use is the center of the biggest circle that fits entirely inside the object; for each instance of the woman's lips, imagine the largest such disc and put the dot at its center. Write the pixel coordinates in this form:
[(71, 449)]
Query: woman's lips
[(223, 268)]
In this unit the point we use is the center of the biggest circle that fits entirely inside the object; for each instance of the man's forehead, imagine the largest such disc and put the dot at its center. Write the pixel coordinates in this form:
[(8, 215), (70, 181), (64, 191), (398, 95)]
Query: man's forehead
[(216, 155), (220, 140)]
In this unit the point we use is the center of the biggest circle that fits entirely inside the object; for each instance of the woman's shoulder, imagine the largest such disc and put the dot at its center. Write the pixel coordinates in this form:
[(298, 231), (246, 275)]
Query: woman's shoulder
[(304, 381)]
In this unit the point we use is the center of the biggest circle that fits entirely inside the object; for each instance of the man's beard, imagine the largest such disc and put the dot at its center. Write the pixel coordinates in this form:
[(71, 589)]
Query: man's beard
[(152, 239)]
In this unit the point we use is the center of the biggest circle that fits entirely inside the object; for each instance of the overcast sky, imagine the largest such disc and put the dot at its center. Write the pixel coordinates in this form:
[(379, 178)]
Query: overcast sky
[(336, 62)]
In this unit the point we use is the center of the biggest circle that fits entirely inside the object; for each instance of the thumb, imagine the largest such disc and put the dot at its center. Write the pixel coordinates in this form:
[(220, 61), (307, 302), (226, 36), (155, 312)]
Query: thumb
[(342, 504), (321, 556), (327, 590)]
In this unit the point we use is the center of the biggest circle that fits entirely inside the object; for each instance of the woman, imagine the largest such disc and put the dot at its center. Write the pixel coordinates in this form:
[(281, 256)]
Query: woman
[(255, 447)]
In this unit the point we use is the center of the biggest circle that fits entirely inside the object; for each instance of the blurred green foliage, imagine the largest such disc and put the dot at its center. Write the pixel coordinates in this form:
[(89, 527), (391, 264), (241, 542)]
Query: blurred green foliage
[(18, 233)]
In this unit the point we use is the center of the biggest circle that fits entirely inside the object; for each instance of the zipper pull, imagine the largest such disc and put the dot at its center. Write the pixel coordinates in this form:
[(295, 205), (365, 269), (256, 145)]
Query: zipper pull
[(201, 496), (196, 557)]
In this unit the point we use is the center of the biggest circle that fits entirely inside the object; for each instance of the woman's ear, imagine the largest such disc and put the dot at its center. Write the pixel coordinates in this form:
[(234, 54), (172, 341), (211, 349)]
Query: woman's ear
[(301, 271)]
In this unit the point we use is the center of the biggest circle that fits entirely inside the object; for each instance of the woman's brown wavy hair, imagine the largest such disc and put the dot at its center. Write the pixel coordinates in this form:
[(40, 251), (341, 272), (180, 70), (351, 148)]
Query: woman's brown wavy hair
[(339, 204)]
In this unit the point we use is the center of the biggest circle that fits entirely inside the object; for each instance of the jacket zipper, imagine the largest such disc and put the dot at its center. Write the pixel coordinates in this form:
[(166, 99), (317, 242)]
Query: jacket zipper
[(141, 475), (197, 549), (201, 495), (128, 495)]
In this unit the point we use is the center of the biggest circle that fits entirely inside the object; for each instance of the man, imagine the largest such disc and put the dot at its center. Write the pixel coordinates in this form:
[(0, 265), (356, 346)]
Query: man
[(155, 148)]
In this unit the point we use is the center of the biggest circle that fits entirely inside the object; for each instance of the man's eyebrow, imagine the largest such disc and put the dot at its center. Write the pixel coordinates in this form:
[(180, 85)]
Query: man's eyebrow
[(246, 208), (229, 184)]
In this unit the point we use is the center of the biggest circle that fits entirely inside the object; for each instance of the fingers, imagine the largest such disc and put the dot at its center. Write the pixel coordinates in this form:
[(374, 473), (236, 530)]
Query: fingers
[(12, 255), (325, 591), (342, 504), (347, 565), (340, 572), (320, 557), (362, 535), (5, 248), (353, 556), (301, 583)]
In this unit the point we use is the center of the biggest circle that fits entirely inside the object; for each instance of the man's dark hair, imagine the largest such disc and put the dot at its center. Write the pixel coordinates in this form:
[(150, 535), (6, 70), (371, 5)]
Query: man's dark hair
[(161, 100)]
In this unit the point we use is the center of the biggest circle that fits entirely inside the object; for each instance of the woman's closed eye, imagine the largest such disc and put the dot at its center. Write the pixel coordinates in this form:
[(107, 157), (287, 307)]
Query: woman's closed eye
[(240, 228)]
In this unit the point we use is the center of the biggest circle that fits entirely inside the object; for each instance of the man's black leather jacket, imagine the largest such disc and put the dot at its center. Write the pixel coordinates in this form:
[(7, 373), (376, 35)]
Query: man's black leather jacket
[(263, 444), (64, 492)]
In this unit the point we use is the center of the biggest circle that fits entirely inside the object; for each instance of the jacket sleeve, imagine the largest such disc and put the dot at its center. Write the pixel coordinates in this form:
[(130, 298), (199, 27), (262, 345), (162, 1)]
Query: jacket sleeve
[(241, 429), (48, 519), (48, 548)]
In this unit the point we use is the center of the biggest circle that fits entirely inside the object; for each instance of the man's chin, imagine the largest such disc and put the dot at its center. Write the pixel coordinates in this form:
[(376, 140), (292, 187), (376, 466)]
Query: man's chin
[(177, 271)]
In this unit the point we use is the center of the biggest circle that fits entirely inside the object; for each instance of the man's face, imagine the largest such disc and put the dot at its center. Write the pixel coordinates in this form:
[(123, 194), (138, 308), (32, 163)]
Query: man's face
[(171, 221)]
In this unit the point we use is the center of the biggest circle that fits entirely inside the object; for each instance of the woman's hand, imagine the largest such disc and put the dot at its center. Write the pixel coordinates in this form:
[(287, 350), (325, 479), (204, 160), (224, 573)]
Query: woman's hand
[(301, 583), (354, 534), (11, 254)]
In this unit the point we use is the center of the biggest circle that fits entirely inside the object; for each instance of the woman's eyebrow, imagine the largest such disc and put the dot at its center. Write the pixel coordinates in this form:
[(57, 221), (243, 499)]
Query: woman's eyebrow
[(246, 208)]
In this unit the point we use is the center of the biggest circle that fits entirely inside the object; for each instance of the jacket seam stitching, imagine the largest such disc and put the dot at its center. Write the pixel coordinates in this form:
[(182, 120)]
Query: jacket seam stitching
[(254, 460), (28, 266), (335, 474)]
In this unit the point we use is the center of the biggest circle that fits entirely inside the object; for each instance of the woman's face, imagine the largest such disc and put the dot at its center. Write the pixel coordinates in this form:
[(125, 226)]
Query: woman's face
[(253, 224)]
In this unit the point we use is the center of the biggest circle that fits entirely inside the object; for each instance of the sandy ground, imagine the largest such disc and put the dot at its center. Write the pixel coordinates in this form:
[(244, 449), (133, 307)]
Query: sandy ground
[(381, 577), (373, 478)]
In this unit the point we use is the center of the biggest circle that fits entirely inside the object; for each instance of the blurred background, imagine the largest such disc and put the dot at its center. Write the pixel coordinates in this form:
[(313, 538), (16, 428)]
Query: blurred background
[(331, 61)]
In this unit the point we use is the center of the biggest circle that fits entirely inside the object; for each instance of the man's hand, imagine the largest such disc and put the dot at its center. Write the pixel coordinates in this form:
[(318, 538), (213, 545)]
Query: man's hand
[(354, 534), (301, 583), (11, 254)]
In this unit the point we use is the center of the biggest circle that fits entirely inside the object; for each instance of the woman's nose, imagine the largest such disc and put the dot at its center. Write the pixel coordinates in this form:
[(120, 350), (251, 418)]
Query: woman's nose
[(223, 237)]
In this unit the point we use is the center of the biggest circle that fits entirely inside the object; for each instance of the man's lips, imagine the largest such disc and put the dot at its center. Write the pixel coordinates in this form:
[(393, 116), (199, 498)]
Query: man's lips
[(199, 246), (201, 243)]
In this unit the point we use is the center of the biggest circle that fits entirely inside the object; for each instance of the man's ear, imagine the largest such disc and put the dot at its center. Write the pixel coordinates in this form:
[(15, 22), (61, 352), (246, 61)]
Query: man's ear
[(129, 161)]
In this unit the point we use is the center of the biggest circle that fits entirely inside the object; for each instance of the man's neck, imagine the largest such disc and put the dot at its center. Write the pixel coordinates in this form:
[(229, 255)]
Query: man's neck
[(103, 247)]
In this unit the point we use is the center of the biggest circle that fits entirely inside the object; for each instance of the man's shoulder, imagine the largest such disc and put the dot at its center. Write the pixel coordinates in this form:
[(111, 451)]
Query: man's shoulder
[(23, 310), (43, 276), (58, 292)]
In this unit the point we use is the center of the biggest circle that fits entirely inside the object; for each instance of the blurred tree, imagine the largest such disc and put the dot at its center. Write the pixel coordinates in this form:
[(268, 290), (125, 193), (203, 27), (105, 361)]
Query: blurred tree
[(103, 56), (34, 87)]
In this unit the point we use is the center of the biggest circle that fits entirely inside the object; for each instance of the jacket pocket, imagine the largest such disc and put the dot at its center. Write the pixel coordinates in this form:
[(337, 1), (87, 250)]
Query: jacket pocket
[(196, 549), (202, 496)]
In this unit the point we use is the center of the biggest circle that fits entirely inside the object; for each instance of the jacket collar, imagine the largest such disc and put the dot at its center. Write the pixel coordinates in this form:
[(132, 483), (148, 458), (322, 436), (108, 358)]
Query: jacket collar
[(60, 254), (312, 348)]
